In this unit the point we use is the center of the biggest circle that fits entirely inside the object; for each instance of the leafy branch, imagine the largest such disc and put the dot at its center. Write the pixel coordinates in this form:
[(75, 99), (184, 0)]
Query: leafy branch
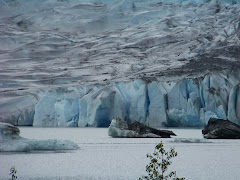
[(13, 173), (159, 162)]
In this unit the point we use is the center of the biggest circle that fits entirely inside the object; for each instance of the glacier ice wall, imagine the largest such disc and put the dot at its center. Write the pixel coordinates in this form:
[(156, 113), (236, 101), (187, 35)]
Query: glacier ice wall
[(82, 63), (18, 108), (186, 102)]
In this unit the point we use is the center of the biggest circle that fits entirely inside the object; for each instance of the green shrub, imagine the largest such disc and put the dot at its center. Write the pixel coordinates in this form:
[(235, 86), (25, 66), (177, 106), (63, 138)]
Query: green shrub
[(159, 162), (13, 173)]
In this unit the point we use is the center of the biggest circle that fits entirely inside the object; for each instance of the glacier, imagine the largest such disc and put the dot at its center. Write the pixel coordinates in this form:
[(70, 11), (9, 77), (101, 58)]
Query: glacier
[(184, 103), (10, 141), (65, 63)]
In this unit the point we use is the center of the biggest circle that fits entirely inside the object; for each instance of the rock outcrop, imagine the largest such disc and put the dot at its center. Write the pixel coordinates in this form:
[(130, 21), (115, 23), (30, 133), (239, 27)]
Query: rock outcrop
[(221, 129), (123, 129)]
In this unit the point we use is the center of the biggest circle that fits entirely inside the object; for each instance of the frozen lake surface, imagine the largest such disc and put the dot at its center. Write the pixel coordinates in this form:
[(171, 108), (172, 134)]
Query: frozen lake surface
[(103, 157)]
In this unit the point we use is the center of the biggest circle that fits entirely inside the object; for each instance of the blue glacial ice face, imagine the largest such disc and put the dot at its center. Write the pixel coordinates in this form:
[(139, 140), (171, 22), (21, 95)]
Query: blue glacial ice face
[(157, 106), (234, 106), (139, 105), (67, 112), (45, 111), (102, 106), (58, 108), (17, 109), (187, 102)]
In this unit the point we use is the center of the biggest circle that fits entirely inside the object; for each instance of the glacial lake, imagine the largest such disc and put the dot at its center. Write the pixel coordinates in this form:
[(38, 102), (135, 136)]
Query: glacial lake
[(102, 157)]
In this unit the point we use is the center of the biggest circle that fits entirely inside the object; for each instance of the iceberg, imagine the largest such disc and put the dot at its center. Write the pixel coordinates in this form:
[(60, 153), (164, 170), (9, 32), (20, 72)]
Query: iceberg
[(10, 141), (123, 129), (190, 140), (221, 129)]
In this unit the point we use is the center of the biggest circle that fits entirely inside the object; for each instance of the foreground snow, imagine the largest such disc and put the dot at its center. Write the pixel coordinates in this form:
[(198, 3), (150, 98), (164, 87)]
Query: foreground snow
[(10, 141)]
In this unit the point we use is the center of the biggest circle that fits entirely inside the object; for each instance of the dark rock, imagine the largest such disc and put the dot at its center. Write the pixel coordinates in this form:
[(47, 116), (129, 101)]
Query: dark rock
[(221, 129), (121, 128)]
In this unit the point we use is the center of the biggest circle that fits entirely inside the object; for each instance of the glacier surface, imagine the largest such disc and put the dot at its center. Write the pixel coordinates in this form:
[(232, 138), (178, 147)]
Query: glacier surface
[(66, 63)]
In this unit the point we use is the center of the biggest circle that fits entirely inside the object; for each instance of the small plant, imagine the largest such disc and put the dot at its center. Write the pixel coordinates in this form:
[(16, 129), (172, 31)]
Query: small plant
[(159, 162), (13, 173)]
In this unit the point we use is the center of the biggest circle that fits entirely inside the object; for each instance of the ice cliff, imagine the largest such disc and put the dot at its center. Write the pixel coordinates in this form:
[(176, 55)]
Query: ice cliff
[(162, 63), (187, 102)]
